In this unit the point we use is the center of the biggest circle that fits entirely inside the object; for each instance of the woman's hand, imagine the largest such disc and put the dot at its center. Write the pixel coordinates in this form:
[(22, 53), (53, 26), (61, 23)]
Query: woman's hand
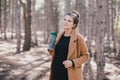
[(49, 40), (67, 63)]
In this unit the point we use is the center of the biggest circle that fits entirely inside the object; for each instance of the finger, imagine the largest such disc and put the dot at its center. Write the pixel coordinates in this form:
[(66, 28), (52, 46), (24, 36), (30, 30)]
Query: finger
[(66, 66), (49, 40), (64, 62)]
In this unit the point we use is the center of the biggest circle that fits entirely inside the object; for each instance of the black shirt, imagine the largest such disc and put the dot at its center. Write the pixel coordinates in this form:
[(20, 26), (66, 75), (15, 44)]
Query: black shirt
[(59, 72)]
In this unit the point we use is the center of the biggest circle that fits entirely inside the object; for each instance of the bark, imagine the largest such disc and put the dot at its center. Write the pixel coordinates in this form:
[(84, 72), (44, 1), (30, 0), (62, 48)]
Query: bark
[(9, 15), (18, 26), (5, 19), (112, 24), (27, 43), (34, 27), (88, 72), (0, 18), (51, 19), (81, 8), (27, 24), (89, 24), (68, 5), (100, 24), (119, 31), (12, 18), (56, 16), (48, 12), (108, 30)]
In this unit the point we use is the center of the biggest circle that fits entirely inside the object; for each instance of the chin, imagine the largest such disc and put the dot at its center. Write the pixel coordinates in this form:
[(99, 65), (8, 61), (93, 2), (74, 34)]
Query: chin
[(66, 28)]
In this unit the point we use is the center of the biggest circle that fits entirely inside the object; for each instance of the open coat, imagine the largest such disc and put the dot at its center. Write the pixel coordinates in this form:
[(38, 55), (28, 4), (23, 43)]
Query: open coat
[(77, 52)]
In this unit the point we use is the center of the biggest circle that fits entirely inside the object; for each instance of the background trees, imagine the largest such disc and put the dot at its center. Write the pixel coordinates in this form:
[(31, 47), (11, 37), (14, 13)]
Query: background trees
[(0, 16), (30, 22)]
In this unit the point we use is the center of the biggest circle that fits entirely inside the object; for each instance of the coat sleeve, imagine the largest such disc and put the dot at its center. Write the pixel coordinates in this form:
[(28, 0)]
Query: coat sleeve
[(83, 53), (50, 52)]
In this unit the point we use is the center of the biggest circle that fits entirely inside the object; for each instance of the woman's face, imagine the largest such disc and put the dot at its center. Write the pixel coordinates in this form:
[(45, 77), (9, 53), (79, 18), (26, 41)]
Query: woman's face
[(68, 22)]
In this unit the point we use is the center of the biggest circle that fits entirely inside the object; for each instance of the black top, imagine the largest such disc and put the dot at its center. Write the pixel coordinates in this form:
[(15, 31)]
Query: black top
[(59, 72)]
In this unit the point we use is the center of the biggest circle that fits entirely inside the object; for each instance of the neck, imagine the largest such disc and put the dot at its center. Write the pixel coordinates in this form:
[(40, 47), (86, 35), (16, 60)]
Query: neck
[(68, 32)]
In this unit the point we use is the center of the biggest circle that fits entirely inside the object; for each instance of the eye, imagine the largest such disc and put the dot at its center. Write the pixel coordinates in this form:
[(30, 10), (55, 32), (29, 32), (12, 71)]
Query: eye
[(64, 19), (69, 21)]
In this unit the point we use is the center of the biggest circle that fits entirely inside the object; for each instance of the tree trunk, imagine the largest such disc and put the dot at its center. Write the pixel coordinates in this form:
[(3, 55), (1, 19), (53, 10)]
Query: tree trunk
[(27, 24), (68, 5), (89, 24), (108, 28), (113, 30), (47, 19), (12, 18), (56, 16), (9, 15), (27, 43), (101, 24), (0, 18), (81, 8), (51, 13), (112, 24), (5, 19), (34, 27), (17, 25)]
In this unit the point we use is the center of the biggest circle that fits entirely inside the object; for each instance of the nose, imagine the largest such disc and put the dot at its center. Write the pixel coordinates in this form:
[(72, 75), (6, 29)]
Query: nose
[(65, 22)]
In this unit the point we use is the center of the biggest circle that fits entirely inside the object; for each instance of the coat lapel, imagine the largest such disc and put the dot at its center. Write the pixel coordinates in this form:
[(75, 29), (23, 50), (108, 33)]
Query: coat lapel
[(58, 37), (72, 44)]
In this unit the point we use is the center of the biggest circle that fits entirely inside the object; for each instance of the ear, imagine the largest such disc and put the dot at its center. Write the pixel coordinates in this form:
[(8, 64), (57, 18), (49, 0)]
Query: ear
[(74, 25)]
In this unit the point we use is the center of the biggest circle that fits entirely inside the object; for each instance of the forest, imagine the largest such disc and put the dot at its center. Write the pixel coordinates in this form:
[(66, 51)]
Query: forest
[(25, 27)]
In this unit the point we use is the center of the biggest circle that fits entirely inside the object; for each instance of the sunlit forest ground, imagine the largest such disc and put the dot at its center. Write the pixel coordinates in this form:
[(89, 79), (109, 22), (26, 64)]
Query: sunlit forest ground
[(35, 64)]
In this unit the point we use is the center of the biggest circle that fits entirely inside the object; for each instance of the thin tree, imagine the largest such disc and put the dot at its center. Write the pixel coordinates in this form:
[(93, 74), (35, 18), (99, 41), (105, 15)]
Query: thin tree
[(68, 5), (81, 8), (12, 17), (5, 18), (51, 17), (56, 15), (9, 15), (47, 10), (119, 31), (116, 28), (34, 27), (113, 14), (100, 32), (27, 24), (0, 18), (88, 72), (17, 25)]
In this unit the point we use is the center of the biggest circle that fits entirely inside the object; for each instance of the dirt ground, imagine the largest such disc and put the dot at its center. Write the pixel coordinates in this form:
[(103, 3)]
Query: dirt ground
[(34, 64), (31, 65)]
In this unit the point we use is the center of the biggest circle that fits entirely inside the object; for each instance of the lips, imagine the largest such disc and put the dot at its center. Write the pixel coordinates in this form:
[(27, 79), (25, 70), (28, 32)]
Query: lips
[(65, 25)]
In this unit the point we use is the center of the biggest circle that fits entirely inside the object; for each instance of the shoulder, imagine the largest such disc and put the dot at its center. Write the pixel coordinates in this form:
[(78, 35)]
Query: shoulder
[(59, 34), (81, 40), (80, 36)]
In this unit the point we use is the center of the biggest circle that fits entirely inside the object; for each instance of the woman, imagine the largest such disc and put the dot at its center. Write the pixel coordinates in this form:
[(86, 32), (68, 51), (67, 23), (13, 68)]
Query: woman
[(70, 51)]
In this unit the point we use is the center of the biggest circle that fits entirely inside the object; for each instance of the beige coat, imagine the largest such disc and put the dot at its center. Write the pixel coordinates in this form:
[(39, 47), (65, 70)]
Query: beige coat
[(77, 52)]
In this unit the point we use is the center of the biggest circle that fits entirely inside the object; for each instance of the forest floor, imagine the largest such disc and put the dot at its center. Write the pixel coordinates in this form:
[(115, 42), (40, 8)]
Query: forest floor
[(35, 64)]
